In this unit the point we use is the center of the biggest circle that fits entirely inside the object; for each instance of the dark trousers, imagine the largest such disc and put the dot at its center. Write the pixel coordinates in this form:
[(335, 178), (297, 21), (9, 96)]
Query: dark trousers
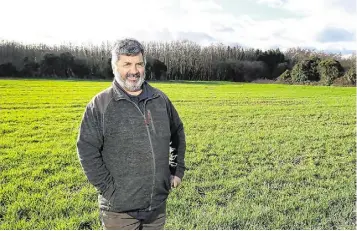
[(123, 221)]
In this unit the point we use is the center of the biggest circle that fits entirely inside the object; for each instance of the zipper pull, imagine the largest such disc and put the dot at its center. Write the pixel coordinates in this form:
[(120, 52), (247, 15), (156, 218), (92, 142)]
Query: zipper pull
[(147, 119), (149, 116)]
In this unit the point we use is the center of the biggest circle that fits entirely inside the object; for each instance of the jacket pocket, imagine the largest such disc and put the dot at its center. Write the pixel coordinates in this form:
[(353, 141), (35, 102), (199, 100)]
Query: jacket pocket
[(132, 193), (168, 183)]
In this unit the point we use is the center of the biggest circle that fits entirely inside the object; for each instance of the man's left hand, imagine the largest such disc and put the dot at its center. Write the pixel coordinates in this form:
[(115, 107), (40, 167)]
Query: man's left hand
[(175, 181)]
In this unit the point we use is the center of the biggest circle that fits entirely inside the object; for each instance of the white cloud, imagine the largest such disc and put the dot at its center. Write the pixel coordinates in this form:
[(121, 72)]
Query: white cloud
[(165, 20), (272, 3)]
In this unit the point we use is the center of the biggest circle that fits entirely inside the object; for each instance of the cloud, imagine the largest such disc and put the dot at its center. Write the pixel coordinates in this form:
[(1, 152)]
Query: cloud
[(198, 37), (200, 5), (322, 24), (342, 51), (331, 34), (272, 3), (219, 27)]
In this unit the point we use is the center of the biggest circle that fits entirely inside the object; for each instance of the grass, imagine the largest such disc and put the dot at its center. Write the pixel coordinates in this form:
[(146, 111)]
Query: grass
[(259, 156)]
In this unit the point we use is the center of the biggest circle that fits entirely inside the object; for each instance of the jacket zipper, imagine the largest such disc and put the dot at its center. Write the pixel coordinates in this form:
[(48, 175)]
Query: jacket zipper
[(150, 141), (152, 122)]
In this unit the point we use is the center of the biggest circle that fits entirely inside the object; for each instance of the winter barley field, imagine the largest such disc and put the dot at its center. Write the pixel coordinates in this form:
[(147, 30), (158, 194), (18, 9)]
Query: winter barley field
[(259, 156)]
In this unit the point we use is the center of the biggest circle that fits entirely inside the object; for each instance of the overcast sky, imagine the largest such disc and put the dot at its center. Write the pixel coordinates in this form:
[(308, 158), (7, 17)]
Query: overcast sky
[(328, 25)]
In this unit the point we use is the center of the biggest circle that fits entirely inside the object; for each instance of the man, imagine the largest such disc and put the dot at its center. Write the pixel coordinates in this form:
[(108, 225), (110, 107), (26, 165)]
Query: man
[(127, 134)]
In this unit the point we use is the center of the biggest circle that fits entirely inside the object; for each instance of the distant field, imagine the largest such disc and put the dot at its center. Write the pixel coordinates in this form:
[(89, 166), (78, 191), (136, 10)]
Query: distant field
[(259, 156)]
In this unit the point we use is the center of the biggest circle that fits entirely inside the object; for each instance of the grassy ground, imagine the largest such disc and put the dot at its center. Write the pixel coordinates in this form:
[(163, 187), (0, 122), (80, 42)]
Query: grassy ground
[(259, 156)]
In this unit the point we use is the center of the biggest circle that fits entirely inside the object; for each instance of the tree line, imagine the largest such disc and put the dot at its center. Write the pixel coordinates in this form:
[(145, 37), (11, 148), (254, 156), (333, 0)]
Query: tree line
[(179, 60)]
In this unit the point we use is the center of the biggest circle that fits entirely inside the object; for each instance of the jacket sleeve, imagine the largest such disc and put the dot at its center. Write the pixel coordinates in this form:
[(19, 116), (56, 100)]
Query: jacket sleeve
[(177, 144), (89, 146)]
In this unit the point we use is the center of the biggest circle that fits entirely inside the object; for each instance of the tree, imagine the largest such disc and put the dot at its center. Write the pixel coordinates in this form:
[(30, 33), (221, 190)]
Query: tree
[(306, 70), (272, 58), (329, 70), (51, 65), (30, 68), (285, 77), (8, 69), (351, 75)]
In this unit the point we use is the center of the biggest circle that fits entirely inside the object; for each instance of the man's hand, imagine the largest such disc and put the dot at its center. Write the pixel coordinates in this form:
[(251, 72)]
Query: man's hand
[(175, 181)]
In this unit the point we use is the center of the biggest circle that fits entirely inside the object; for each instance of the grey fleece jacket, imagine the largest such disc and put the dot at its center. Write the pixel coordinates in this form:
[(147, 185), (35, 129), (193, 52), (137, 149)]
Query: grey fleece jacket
[(125, 153)]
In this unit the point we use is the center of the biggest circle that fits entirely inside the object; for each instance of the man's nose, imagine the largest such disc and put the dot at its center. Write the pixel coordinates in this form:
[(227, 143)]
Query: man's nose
[(134, 70)]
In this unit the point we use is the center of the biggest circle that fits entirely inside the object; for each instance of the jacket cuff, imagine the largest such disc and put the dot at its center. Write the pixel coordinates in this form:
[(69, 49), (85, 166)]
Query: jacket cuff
[(108, 193), (180, 172)]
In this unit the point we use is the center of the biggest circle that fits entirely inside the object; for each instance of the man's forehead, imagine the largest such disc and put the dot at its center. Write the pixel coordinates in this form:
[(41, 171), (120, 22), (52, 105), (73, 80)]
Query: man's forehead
[(131, 58)]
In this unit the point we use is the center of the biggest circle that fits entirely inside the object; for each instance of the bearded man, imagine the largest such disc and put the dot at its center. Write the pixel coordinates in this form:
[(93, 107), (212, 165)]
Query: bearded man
[(127, 135)]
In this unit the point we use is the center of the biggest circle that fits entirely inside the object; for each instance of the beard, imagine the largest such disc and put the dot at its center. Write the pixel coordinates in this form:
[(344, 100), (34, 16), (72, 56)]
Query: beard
[(129, 85)]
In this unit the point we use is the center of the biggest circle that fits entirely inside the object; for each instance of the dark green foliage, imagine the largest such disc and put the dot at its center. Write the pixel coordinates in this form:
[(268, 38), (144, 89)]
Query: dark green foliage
[(280, 69), (272, 58), (254, 70), (351, 75), (229, 70), (329, 70), (178, 60), (285, 77), (299, 73), (67, 62), (30, 68), (155, 69), (240, 71), (348, 63), (306, 70), (51, 66), (80, 68), (7, 70)]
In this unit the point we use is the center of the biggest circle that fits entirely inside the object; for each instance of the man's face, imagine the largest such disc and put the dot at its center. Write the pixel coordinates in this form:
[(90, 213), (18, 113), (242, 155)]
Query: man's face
[(130, 72)]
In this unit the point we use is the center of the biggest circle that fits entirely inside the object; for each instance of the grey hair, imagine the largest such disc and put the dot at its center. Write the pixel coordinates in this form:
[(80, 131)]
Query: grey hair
[(128, 46)]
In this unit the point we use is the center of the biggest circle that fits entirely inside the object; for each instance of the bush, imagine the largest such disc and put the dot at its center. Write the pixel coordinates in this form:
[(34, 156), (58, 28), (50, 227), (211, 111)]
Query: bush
[(272, 58), (81, 69), (350, 75), (240, 71), (306, 70), (329, 70), (254, 70), (8, 69), (155, 69), (30, 68), (285, 77), (51, 65), (349, 62), (229, 70), (280, 69), (67, 63)]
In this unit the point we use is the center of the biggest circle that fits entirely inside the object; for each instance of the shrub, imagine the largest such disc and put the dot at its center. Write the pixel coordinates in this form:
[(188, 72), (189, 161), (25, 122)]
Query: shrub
[(30, 68), (272, 58), (329, 70), (306, 70), (254, 70), (51, 65), (280, 69), (67, 63), (8, 69), (81, 69), (285, 77), (350, 75)]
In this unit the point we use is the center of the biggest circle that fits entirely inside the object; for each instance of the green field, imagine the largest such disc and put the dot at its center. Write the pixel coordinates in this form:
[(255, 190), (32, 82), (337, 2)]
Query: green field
[(260, 156)]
